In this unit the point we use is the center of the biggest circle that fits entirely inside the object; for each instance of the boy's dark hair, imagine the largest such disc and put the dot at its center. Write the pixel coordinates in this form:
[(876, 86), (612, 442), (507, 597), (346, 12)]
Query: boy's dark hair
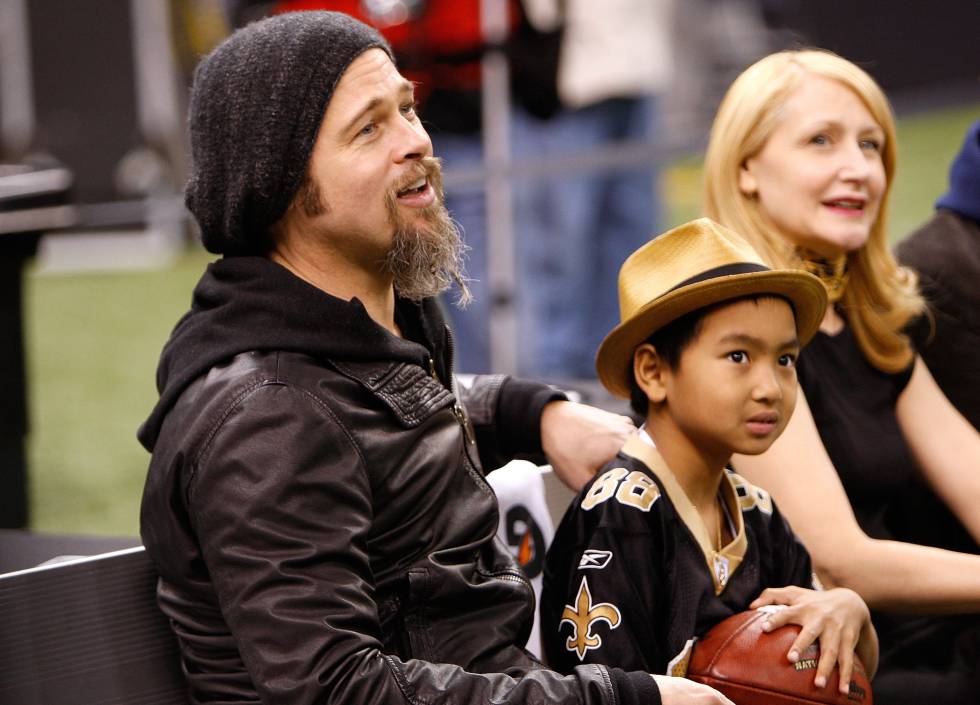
[(670, 341), (673, 339)]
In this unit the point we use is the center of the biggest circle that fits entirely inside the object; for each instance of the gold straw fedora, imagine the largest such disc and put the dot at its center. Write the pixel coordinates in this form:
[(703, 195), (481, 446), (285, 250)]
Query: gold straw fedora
[(692, 266)]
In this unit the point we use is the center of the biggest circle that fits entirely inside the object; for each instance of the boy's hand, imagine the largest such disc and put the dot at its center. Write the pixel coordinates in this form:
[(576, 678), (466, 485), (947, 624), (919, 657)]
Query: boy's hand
[(681, 691), (579, 439), (837, 618)]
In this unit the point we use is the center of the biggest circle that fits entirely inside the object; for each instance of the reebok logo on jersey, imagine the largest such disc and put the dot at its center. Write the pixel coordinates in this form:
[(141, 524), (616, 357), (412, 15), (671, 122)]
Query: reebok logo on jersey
[(594, 559)]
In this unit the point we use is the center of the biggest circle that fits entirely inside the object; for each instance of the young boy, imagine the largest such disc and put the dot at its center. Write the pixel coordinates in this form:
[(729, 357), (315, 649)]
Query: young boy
[(666, 542)]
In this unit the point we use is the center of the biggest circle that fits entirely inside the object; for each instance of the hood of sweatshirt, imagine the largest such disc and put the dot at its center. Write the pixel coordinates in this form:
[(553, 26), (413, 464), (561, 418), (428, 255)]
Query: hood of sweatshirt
[(244, 304)]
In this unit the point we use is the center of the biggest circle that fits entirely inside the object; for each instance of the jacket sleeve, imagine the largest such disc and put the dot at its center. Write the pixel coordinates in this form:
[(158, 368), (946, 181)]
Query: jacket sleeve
[(506, 417), (281, 503)]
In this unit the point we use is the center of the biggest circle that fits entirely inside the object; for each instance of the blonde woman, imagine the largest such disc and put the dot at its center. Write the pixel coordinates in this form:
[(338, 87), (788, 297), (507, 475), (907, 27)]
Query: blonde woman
[(800, 161)]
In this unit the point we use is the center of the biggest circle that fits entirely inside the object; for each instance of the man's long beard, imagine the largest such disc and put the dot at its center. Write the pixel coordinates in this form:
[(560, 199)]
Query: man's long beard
[(425, 259)]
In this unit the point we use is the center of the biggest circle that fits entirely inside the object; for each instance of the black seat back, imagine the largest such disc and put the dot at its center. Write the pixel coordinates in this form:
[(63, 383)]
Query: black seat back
[(87, 632)]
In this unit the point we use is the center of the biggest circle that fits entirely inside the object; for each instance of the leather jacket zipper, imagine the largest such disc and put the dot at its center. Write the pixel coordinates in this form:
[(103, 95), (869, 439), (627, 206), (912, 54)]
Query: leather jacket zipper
[(461, 418), (515, 576), (457, 409)]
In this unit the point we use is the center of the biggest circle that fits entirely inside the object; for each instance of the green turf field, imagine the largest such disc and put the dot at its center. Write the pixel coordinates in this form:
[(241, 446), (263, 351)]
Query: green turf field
[(93, 342)]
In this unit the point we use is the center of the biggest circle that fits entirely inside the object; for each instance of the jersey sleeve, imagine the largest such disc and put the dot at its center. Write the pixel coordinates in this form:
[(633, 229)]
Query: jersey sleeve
[(603, 595)]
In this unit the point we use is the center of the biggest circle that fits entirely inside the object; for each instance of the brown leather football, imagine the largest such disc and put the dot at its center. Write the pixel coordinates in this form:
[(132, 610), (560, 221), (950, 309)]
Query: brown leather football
[(750, 666)]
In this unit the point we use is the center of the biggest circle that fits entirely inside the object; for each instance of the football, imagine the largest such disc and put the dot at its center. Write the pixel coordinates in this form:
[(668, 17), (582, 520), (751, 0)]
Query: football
[(750, 666)]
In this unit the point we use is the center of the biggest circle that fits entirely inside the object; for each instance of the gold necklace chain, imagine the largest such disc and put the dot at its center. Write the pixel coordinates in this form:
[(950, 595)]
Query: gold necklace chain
[(721, 518)]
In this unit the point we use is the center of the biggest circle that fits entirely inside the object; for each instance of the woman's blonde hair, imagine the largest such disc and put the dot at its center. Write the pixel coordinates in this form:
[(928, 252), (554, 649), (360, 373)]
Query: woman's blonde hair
[(881, 296)]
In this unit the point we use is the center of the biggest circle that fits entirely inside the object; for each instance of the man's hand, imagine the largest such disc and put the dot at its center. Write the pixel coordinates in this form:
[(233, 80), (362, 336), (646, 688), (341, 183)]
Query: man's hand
[(837, 618), (681, 691), (579, 439)]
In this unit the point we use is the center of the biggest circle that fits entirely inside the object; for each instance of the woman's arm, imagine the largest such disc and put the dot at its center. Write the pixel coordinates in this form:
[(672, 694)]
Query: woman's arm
[(944, 444), (889, 575)]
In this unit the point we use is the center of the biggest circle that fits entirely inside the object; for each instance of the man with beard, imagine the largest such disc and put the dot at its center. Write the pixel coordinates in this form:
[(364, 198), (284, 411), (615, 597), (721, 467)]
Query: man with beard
[(315, 503)]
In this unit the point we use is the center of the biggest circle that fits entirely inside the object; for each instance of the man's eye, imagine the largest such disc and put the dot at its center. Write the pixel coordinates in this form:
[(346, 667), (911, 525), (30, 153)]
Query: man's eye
[(820, 139), (408, 109), (738, 356), (367, 129)]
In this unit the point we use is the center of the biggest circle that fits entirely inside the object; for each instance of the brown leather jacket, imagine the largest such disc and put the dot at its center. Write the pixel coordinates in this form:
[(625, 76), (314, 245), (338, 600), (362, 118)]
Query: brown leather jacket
[(322, 527)]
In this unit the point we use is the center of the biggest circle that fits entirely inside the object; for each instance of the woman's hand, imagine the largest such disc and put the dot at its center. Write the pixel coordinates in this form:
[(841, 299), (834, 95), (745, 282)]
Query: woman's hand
[(837, 618)]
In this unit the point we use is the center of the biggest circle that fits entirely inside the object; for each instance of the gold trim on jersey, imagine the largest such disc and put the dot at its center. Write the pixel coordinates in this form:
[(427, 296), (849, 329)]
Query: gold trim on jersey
[(723, 563), (678, 665)]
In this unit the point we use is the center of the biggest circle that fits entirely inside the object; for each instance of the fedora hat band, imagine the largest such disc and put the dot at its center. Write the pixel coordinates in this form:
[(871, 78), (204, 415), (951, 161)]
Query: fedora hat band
[(724, 270)]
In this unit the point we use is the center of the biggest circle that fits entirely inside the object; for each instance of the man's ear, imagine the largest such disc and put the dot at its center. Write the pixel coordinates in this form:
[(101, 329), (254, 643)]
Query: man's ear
[(747, 183), (650, 372)]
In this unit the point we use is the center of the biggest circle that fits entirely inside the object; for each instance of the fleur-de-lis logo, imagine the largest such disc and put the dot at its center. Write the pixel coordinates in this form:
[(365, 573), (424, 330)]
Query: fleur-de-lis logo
[(582, 616)]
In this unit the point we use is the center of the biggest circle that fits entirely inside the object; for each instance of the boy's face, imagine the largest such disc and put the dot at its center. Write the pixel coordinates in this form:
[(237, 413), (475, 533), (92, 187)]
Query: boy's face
[(734, 388)]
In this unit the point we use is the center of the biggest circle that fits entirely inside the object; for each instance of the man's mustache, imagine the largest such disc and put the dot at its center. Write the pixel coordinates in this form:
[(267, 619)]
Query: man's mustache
[(428, 167)]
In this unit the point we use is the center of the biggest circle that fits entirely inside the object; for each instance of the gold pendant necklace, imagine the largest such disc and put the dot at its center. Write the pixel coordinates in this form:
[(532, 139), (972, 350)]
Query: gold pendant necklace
[(831, 272), (720, 519)]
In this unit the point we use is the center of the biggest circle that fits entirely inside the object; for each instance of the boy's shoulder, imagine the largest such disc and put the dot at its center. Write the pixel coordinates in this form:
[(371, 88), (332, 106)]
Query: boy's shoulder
[(626, 487), (751, 498), (639, 478)]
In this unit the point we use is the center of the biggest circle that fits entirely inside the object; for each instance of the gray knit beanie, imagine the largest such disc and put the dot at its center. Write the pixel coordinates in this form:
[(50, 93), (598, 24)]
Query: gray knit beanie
[(256, 106)]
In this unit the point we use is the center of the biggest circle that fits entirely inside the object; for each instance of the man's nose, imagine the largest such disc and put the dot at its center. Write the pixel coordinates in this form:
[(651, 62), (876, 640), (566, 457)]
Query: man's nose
[(413, 142)]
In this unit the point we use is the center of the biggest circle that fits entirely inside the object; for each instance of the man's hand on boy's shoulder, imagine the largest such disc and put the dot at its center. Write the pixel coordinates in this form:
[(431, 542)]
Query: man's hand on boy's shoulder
[(681, 691), (579, 439)]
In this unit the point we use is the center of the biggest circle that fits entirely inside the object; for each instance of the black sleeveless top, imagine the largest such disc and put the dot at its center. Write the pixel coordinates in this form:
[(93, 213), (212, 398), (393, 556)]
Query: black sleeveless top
[(853, 405)]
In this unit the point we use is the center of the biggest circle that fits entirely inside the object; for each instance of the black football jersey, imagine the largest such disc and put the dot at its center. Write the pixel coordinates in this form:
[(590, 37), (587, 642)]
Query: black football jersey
[(632, 578)]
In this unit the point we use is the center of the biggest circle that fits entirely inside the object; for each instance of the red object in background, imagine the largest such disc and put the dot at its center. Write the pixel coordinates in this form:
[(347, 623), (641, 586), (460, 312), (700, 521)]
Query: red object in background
[(750, 666), (440, 48)]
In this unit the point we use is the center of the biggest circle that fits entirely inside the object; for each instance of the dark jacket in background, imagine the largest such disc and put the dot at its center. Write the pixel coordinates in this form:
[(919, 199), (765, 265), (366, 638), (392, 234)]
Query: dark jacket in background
[(946, 253), (317, 511)]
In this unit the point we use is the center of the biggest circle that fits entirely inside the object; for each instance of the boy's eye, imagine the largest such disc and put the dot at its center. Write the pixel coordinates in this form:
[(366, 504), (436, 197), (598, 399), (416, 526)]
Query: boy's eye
[(408, 109), (738, 356), (787, 360)]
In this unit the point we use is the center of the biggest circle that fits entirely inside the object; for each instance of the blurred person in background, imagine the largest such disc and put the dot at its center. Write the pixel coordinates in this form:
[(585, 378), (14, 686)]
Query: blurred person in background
[(945, 252), (315, 504), (715, 40), (574, 229), (800, 160)]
